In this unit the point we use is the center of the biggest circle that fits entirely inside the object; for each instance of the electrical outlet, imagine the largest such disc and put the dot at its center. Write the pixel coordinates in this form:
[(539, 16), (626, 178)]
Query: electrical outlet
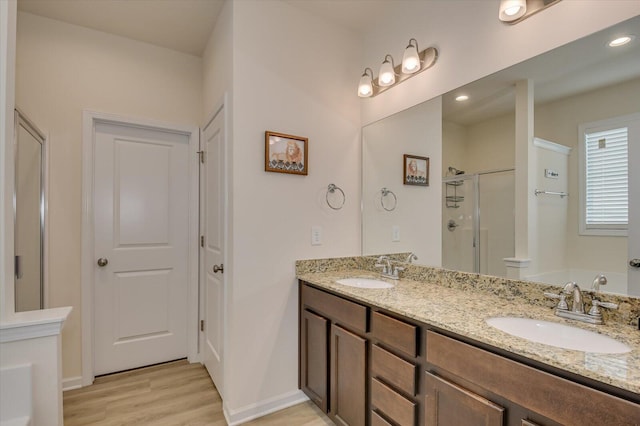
[(395, 231), (316, 235)]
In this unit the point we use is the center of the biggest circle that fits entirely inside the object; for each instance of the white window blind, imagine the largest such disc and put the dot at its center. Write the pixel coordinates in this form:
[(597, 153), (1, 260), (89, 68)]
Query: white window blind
[(607, 183)]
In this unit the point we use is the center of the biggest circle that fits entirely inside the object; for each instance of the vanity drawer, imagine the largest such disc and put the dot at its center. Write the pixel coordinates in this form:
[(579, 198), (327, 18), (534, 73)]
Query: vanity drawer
[(394, 370), (395, 333), (339, 310), (528, 386), (376, 420), (393, 405)]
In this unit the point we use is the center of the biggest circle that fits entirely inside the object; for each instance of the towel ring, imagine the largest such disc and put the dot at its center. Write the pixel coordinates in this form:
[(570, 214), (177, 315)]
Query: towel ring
[(383, 193), (331, 189)]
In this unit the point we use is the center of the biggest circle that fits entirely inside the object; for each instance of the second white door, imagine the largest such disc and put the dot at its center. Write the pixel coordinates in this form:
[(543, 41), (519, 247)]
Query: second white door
[(141, 205), (212, 253)]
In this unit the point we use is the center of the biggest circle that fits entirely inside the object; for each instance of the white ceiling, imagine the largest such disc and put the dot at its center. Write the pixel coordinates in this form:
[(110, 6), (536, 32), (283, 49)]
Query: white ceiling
[(182, 25), (581, 66)]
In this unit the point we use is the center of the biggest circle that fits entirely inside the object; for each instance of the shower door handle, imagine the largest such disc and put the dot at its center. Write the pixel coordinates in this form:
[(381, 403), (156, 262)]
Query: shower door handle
[(18, 267)]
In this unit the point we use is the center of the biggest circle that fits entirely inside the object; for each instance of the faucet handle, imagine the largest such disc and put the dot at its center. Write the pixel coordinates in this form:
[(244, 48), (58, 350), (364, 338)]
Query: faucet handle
[(397, 270), (562, 304), (595, 304)]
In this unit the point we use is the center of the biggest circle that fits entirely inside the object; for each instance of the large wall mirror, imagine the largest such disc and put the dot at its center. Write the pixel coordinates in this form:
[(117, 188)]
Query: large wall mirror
[(29, 210), (585, 89)]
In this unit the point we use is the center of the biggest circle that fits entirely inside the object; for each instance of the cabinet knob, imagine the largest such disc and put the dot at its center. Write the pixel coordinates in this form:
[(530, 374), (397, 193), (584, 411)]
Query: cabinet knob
[(634, 263)]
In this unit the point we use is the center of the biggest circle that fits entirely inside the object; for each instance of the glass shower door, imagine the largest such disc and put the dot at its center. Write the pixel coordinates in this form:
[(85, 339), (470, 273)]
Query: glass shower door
[(460, 223)]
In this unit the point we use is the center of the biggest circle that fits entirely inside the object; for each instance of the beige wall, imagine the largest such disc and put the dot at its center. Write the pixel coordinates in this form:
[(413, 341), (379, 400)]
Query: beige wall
[(416, 131), (63, 69), (558, 122), (292, 73)]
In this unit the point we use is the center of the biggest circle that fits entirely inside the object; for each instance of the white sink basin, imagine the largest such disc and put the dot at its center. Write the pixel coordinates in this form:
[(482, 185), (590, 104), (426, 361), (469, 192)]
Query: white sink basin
[(558, 335), (364, 283)]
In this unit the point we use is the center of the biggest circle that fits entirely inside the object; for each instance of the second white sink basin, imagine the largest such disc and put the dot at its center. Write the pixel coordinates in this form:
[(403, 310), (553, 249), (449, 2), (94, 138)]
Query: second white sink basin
[(558, 335), (364, 283)]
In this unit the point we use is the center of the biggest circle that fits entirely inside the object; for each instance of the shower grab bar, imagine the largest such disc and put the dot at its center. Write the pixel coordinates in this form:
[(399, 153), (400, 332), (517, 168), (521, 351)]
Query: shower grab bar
[(561, 194)]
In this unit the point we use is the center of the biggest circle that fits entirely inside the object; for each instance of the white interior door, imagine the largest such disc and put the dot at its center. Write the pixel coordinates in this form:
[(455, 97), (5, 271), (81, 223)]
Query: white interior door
[(212, 254), (633, 275), (141, 215)]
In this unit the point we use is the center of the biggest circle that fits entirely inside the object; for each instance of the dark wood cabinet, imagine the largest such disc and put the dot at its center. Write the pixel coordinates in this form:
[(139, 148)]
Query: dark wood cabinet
[(448, 404), (314, 336), (333, 355), (348, 377), (364, 365)]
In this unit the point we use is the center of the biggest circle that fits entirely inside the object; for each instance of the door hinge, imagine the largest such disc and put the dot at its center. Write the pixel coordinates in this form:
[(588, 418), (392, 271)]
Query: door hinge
[(201, 325), (201, 154), (201, 240)]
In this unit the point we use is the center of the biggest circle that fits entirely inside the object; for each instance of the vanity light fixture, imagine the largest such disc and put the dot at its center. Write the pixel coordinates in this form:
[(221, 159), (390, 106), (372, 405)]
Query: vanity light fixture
[(365, 88), (510, 10), (411, 58), (414, 62), (462, 98), (514, 11), (620, 41), (387, 75)]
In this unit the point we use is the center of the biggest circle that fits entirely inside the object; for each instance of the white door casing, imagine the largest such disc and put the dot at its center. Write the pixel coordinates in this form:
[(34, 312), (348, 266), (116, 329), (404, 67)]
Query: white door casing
[(212, 222), (140, 207)]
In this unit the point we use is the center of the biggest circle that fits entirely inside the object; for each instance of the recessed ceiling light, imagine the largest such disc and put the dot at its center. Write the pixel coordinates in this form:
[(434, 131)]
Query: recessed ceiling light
[(620, 41), (462, 98)]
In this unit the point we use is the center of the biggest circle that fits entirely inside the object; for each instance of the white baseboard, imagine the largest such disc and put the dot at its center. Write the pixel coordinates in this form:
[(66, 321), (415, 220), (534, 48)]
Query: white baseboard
[(262, 408), (71, 383)]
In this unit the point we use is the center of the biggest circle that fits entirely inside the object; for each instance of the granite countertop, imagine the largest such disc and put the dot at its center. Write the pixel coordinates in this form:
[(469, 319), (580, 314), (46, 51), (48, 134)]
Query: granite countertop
[(464, 311)]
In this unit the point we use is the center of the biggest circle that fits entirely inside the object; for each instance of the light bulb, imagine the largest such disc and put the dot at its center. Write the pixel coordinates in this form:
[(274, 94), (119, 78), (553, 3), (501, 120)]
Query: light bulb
[(510, 10), (365, 87), (411, 58), (387, 75)]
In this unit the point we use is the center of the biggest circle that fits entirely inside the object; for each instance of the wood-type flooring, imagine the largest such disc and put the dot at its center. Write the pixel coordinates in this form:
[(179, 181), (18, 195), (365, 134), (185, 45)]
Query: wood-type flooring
[(171, 394)]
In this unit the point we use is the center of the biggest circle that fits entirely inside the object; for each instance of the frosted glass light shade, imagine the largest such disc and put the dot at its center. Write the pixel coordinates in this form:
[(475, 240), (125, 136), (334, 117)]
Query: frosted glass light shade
[(510, 10), (365, 87), (411, 58), (386, 76)]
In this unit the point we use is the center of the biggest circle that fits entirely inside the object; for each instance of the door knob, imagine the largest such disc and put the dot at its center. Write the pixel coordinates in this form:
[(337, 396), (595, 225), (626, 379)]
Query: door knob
[(634, 263), (217, 269), (102, 262)]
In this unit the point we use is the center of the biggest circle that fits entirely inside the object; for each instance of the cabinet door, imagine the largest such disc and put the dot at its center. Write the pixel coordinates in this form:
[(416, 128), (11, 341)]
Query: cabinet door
[(348, 377), (313, 358), (447, 404)]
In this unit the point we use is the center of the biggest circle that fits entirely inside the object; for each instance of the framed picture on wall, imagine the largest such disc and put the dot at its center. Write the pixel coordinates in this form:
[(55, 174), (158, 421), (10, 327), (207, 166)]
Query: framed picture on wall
[(416, 170), (285, 153)]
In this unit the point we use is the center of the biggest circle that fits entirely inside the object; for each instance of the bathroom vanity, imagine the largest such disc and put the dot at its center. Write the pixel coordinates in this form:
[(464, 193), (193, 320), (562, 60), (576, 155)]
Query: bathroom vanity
[(421, 353)]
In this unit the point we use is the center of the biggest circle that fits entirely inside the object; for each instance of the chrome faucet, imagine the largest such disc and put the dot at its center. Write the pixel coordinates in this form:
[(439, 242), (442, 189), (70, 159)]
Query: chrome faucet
[(578, 304), (388, 270), (411, 257), (594, 316)]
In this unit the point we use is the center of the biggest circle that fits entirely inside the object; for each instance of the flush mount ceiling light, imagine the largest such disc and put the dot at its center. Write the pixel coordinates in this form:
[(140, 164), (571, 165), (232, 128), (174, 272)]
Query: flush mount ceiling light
[(620, 41), (514, 11), (413, 63), (462, 98)]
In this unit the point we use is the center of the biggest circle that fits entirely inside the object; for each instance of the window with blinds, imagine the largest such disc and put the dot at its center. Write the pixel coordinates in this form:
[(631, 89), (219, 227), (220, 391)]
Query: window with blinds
[(605, 200)]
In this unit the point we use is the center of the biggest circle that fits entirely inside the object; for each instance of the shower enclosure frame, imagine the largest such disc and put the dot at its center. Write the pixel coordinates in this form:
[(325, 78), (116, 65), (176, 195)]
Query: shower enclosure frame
[(475, 209)]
